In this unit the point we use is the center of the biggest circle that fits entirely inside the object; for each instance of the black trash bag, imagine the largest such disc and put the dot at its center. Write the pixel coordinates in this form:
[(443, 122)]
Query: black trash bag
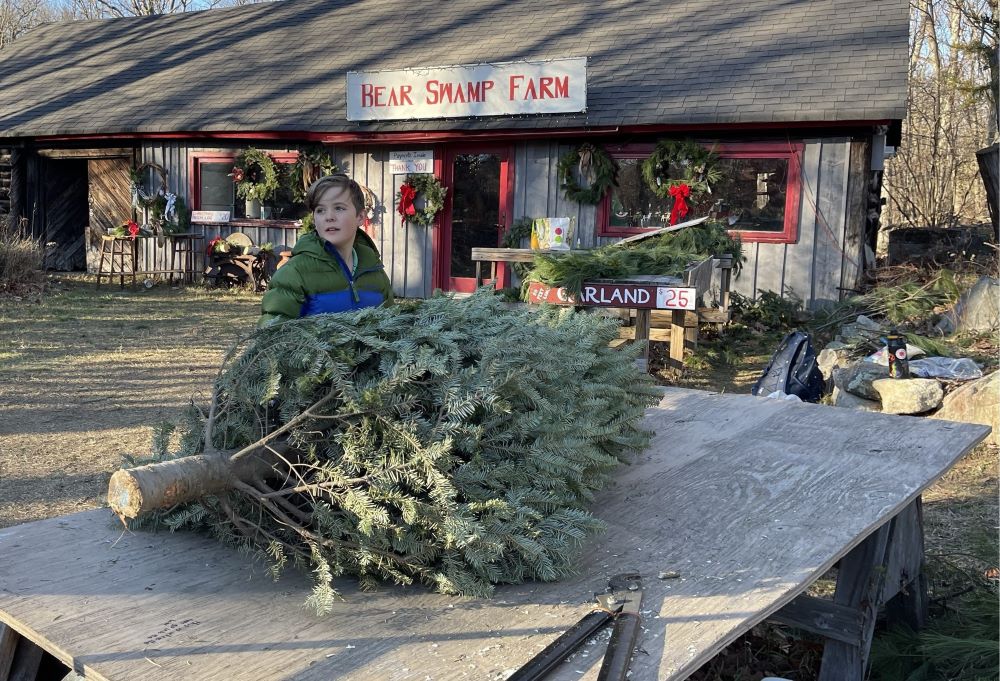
[(793, 370)]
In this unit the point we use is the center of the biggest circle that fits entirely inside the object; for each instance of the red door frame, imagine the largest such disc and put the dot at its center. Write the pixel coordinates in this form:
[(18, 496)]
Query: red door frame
[(441, 268)]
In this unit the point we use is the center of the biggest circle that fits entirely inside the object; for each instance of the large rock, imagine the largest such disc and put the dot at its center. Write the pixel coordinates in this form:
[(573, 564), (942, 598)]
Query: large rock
[(975, 402), (908, 395), (834, 355), (978, 309), (860, 330), (842, 398), (859, 377)]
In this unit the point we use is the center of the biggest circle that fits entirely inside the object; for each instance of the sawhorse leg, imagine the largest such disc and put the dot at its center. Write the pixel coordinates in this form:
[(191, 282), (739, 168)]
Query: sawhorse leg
[(19, 657), (887, 564)]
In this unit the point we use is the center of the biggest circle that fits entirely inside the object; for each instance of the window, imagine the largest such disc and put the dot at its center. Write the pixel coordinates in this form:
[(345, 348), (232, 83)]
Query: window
[(758, 193), (214, 188)]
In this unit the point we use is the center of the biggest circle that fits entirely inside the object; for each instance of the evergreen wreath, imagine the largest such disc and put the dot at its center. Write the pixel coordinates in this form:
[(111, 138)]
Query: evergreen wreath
[(311, 164), (141, 197), (699, 167), (589, 160), (256, 175), (420, 186)]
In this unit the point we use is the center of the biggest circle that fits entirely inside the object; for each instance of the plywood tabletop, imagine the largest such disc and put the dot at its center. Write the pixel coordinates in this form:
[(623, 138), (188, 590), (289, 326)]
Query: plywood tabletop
[(749, 500)]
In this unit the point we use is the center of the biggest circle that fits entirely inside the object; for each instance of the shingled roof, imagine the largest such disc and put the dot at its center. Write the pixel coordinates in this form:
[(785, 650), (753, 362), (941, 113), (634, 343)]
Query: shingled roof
[(282, 66)]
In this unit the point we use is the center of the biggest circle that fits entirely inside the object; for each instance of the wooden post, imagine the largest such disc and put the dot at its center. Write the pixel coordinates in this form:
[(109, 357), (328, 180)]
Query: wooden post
[(8, 643), (642, 334), (725, 280), (677, 339)]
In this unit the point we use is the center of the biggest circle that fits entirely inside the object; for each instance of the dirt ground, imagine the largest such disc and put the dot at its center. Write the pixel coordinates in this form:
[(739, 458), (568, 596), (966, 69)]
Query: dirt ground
[(87, 372)]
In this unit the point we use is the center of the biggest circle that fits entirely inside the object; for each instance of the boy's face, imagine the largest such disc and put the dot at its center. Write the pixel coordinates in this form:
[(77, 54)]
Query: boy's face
[(337, 220)]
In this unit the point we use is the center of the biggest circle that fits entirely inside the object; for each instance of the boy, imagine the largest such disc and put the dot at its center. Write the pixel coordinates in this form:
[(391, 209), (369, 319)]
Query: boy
[(333, 269)]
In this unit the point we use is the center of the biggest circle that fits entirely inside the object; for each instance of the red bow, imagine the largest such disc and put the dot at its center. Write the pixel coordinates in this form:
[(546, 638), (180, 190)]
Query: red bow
[(406, 195), (680, 209), (133, 229)]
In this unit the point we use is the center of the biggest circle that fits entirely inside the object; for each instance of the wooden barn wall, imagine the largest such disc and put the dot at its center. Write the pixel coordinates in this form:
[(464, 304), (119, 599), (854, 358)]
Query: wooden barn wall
[(174, 158), (825, 259)]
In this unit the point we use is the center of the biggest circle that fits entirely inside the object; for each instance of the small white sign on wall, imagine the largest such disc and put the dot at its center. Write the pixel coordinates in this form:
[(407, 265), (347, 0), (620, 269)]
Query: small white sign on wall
[(403, 162), (210, 216)]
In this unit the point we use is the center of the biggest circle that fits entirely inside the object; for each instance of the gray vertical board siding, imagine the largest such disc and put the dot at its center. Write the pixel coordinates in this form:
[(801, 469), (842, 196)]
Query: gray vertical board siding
[(770, 268), (852, 265), (536, 180), (830, 215), (789, 269), (799, 263)]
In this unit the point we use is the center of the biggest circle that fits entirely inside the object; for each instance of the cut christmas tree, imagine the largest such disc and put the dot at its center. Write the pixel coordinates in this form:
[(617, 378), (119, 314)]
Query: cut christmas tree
[(453, 442)]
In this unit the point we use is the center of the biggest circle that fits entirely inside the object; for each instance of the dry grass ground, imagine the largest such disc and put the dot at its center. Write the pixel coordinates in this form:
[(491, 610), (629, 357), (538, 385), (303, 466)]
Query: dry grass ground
[(86, 373)]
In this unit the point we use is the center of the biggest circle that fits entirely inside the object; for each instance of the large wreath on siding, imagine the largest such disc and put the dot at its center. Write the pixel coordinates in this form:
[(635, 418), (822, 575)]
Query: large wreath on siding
[(256, 175), (593, 164), (142, 196), (420, 187), (675, 162)]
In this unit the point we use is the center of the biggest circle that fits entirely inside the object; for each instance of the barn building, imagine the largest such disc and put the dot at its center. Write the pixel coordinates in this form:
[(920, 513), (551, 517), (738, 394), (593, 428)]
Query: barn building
[(798, 100)]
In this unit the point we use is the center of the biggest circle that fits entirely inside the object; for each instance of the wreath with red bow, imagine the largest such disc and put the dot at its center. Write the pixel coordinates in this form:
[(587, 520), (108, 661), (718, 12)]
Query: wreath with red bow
[(680, 170), (419, 199)]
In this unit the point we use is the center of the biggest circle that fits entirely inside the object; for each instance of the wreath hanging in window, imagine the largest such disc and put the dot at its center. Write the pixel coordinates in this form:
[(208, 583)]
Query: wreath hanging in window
[(680, 170), (145, 194), (311, 164), (256, 175), (675, 162), (594, 166), (416, 189)]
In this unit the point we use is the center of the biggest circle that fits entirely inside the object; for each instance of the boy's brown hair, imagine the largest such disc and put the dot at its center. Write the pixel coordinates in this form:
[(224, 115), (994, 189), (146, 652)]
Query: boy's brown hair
[(317, 188)]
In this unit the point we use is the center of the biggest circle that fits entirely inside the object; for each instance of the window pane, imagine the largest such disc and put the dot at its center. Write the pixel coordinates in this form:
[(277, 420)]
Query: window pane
[(217, 188), (751, 193), (633, 204), (475, 211)]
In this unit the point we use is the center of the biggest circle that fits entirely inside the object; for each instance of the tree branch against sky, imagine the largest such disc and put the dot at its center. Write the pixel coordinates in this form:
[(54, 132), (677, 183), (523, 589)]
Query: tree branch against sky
[(933, 181)]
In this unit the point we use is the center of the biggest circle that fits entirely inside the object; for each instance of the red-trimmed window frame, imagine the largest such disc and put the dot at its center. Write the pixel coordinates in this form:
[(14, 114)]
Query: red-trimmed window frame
[(792, 151), (196, 158)]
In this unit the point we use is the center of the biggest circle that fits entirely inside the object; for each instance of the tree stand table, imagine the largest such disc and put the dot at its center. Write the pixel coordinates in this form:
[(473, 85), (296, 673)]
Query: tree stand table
[(737, 506), (124, 257)]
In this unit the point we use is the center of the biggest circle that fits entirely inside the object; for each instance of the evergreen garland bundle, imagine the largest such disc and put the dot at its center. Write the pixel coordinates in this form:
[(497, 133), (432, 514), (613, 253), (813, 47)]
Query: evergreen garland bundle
[(451, 442), (665, 254)]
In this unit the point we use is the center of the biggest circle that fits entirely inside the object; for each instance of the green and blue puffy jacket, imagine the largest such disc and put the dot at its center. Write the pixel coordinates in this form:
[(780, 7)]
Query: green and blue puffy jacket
[(316, 280)]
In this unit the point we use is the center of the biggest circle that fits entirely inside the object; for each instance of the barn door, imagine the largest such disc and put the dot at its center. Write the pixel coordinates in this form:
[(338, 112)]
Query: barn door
[(110, 199), (65, 199)]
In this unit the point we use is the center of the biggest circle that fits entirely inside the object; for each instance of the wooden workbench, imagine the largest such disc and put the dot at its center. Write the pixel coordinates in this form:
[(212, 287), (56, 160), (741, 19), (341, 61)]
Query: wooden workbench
[(748, 499)]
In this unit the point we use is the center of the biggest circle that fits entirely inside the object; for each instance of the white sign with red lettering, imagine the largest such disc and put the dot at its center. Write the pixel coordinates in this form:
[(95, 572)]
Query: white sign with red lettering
[(676, 298), (511, 88)]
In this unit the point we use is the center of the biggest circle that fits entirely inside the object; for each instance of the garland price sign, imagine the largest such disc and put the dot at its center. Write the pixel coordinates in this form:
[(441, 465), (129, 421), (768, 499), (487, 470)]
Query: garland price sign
[(506, 89), (642, 296)]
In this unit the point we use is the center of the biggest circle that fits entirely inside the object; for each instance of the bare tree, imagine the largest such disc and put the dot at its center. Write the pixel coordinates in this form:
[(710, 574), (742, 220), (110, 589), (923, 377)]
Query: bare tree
[(933, 179), (104, 9), (18, 16)]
